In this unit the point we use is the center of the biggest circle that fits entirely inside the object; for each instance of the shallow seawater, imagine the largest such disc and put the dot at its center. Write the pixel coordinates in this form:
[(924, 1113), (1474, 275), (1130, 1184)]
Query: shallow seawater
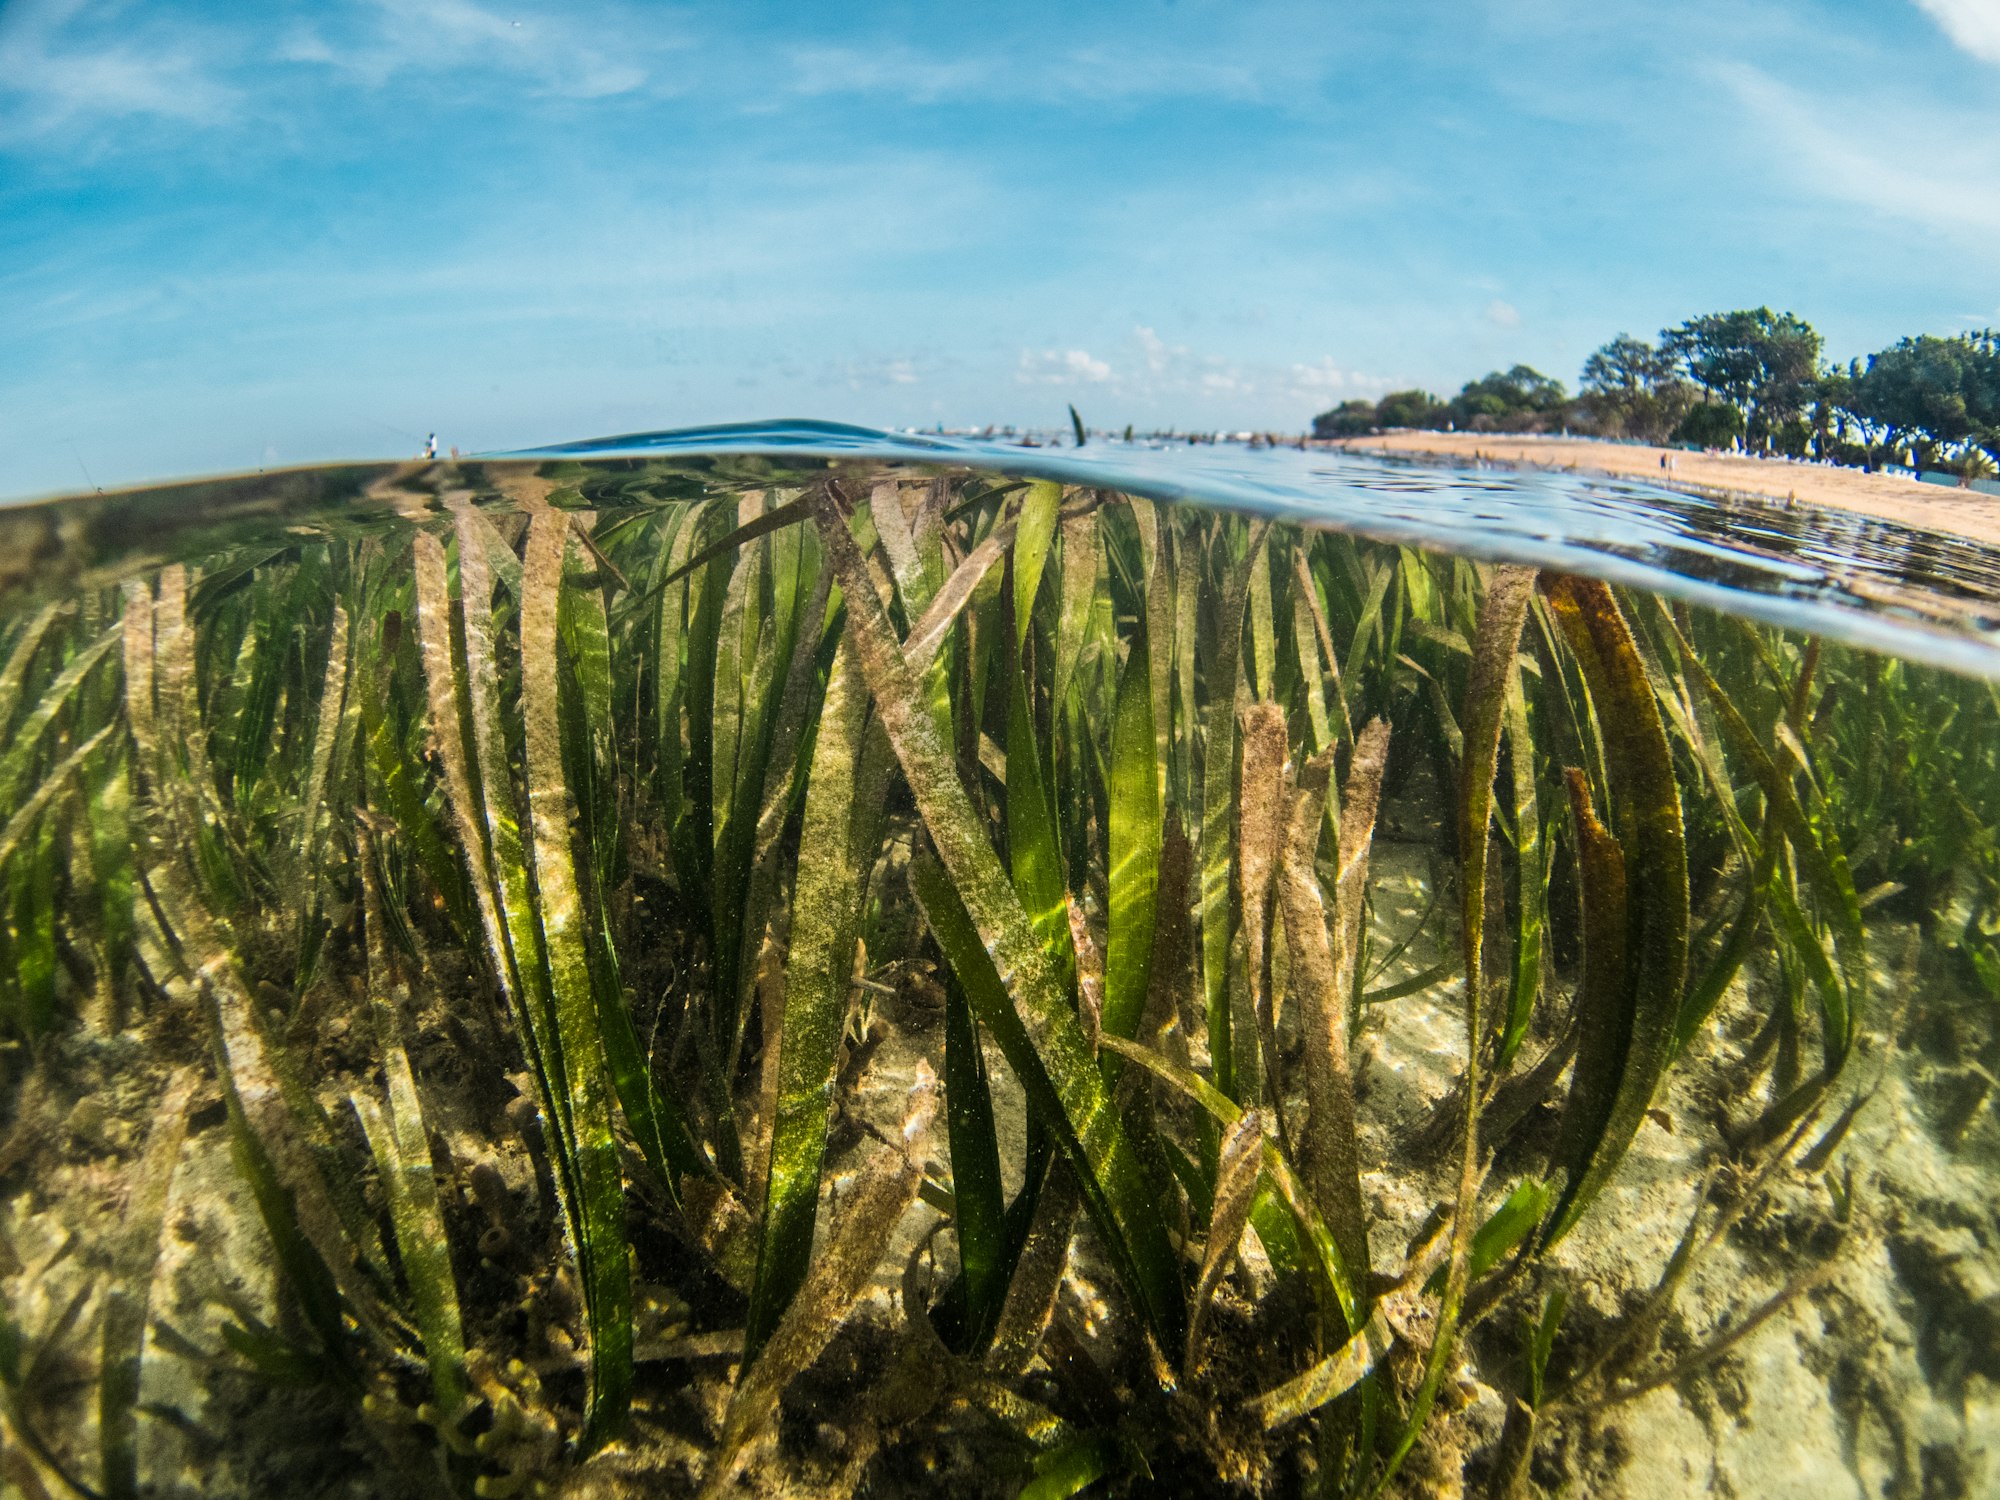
[(790, 961)]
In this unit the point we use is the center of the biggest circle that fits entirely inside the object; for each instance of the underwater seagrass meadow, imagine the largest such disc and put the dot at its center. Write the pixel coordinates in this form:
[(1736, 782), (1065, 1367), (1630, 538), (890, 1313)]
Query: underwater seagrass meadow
[(625, 977)]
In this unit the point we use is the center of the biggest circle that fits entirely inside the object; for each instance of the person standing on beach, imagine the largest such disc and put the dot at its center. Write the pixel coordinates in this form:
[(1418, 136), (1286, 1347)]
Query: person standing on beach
[(431, 446)]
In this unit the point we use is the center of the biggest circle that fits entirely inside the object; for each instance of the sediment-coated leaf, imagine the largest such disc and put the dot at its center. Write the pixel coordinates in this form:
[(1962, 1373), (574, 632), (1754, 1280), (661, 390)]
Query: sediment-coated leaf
[(1331, 1149), (127, 1293), (21, 655), (1239, 1166), (929, 632), (1360, 799), (762, 524), (872, 1209), (1326, 1258), (1333, 1376)]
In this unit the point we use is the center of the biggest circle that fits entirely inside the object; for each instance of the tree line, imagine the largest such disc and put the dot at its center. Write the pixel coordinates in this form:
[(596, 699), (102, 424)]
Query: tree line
[(1751, 380)]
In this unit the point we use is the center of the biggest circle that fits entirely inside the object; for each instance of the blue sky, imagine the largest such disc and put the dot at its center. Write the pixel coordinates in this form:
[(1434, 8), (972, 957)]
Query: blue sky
[(235, 235)]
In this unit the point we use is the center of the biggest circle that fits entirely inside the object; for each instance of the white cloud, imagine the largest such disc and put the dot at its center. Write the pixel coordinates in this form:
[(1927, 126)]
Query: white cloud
[(1502, 314), (1972, 25), (1325, 380), (1166, 371), (1061, 367)]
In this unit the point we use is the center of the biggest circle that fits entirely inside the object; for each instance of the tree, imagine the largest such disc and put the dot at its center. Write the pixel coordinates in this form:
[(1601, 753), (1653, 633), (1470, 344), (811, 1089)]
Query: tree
[(1762, 363), (1937, 395), (1632, 389), (1710, 424), (1349, 419), (1519, 399), (1408, 409)]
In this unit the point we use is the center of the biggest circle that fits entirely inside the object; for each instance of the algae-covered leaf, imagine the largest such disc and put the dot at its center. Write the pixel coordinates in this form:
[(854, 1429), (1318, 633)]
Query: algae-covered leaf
[(1626, 1043), (1134, 849), (1033, 850), (979, 1215), (824, 910), (399, 1137), (1820, 856), (1501, 617), (1531, 865), (1041, 509), (1223, 658), (1261, 814), (559, 914), (997, 947), (1326, 1261), (1517, 1217)]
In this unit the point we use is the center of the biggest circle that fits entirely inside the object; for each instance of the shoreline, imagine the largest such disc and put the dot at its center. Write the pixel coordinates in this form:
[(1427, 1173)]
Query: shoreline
[(1967, 514)]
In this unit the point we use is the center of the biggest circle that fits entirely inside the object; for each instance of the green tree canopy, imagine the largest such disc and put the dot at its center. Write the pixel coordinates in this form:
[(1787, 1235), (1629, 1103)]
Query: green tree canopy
[(1508, 398), (1633, 389), (1762, 363), (1943, 391), (1349, 419), (1408, 409), (1710, 424)]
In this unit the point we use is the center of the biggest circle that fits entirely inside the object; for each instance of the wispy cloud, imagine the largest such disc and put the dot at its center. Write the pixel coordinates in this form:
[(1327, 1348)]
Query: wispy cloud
[(1274, 55), (1897, 160), (1502, 314), (65, 65), (1973, 25), (895, 68), (380, 39)]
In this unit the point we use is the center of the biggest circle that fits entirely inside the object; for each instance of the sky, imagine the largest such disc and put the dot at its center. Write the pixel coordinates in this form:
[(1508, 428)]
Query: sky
[(243, 235)]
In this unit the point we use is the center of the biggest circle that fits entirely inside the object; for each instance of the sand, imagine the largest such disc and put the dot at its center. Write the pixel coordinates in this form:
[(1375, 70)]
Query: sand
[(1959, 512)]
